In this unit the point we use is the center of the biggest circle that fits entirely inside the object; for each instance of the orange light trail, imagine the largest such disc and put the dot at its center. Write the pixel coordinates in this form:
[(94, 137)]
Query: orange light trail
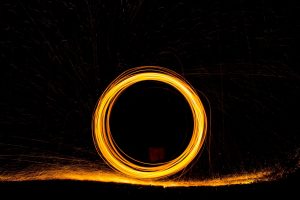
[(114, 156), (94, 174), (145, 174)]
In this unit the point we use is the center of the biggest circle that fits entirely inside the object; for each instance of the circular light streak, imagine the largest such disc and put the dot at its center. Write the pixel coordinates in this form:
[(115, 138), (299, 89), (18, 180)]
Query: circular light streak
[(109, 150)]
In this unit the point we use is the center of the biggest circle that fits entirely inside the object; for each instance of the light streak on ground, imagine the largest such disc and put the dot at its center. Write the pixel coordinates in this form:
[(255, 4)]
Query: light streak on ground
[(114, 156), (92, 174)]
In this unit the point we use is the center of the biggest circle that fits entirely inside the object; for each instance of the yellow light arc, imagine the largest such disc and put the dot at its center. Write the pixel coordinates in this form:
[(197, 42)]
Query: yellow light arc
[(109, 150)]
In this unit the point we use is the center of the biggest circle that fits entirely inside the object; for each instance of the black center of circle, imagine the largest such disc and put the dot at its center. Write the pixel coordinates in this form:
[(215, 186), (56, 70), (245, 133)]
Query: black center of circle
[(151, 122)]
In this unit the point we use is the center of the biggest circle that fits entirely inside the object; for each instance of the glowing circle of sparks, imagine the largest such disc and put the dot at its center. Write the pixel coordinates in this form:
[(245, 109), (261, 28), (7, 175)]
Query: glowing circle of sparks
[(114, 156)]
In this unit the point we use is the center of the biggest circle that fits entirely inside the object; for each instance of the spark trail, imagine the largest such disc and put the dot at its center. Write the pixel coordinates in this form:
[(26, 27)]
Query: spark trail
[(89, 173), (114, 156), (131, 171)]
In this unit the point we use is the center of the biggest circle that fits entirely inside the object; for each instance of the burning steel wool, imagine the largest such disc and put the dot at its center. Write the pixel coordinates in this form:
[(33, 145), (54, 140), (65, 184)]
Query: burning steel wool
[(118, 159), (128, 170)]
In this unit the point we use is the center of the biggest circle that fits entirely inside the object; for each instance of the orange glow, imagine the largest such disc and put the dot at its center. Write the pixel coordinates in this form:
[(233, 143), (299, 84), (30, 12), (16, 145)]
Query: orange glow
[(92, 174), (114, 156)]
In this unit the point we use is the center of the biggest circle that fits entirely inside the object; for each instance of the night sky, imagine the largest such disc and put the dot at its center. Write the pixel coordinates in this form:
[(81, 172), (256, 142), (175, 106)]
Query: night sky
[(58, 56)]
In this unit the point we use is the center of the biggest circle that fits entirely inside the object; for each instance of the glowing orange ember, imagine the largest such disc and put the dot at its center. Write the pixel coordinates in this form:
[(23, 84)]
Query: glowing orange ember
[(114, 156)]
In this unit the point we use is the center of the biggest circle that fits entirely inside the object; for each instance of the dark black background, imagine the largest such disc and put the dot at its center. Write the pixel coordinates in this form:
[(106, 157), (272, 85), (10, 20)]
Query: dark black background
[(57, 57)]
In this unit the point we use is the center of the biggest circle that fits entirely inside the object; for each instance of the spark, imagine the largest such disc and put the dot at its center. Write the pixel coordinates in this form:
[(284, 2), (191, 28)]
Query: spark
[(93, 174), (114, 156)]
